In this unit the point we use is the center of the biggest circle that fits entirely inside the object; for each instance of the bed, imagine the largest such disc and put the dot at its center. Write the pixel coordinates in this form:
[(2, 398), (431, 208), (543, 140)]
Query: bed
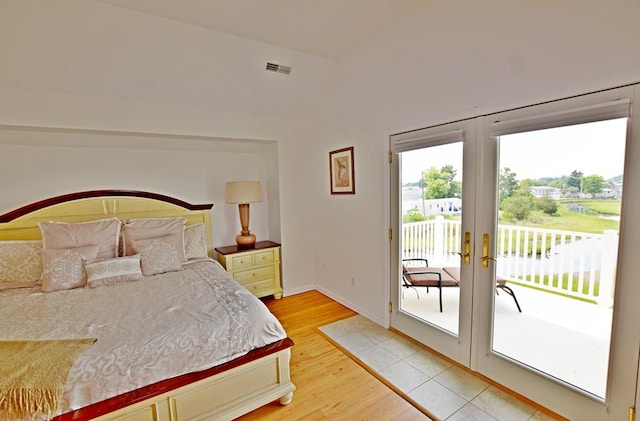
[(155, 356)]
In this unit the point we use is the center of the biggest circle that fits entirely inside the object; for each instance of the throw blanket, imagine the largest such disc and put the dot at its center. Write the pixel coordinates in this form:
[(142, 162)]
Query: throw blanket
[(33, 374)]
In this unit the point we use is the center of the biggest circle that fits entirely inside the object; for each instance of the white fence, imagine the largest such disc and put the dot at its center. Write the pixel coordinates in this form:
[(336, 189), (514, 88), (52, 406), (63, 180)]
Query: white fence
[(577, 264)]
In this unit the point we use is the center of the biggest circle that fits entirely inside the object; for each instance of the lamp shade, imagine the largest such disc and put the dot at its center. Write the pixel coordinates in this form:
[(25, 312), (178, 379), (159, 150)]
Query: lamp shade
[(243, 192)]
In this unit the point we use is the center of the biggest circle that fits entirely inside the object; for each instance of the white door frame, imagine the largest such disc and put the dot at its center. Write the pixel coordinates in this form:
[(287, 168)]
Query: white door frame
[(538, 387), (455, 347), (623, 372)]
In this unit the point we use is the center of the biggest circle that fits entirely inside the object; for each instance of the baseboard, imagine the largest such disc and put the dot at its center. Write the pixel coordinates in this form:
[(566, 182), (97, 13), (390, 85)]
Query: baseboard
[(353, 307), (293, 291)]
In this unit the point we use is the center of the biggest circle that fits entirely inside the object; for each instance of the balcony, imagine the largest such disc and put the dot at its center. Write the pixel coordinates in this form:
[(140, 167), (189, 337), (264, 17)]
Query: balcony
[(564, 283)]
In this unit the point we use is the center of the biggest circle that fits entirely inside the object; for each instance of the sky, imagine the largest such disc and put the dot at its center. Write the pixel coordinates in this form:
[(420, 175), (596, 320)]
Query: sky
[(592, 148)]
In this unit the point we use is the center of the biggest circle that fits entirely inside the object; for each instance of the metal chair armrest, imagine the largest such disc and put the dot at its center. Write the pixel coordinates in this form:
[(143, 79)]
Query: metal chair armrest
[(417, 259)]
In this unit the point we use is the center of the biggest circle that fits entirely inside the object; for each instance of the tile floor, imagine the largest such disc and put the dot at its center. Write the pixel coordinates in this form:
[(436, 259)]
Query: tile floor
[(445, 390), (565, 338)]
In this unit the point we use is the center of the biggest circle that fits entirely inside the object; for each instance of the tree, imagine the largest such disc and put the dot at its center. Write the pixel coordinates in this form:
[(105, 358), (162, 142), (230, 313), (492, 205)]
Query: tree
[(508, 183), (546, 205), (592, 184), (575, 179), (436, 189), (558, 183), (519, 202), (448, 173), (455, 189), (517, 207), (413, 215), (440, 184), (524, 188)]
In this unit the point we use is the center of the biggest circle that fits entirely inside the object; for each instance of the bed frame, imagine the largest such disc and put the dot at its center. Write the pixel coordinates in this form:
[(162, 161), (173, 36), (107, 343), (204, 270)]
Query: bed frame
[(223, 392)]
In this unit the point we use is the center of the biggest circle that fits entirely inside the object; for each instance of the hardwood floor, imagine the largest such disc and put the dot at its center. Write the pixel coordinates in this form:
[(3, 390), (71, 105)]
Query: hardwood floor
[(329, 384)]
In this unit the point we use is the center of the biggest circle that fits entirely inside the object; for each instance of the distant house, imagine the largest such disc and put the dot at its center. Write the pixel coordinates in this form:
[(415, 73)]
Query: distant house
[(540, 191), (610, 193), (411, 199), (442, 206)]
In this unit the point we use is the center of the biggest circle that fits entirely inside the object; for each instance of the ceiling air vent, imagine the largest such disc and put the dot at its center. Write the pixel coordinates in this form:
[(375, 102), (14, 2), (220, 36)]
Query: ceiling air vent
[(278, 68)]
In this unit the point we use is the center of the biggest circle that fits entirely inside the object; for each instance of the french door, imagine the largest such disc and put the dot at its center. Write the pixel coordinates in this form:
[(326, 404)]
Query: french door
[(428, 159), (528, 215)]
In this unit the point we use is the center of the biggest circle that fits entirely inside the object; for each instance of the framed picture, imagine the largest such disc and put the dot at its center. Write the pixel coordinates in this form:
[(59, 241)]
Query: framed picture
[(341, 171)]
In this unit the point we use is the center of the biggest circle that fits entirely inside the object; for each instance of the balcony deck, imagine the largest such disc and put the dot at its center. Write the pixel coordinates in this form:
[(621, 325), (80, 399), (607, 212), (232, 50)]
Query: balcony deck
[(564, 337)]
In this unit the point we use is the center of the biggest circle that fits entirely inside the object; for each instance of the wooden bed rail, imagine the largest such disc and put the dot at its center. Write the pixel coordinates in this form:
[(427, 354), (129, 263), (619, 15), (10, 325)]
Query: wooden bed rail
[(139, 395), (24, 210)]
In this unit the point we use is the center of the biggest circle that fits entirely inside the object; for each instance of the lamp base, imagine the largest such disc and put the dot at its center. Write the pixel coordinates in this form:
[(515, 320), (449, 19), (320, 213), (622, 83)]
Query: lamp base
[(246, 241)]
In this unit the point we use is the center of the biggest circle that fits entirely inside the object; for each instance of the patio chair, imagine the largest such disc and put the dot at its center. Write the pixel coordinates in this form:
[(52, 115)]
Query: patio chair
[(425, 276), (501, 283)]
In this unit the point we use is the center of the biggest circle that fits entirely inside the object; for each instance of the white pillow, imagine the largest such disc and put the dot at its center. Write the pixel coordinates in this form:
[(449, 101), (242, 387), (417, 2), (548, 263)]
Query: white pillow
[(113, 271), (20, 261), (103, 232), (146, 228), (160, 254), (64, 268), (195, 243)]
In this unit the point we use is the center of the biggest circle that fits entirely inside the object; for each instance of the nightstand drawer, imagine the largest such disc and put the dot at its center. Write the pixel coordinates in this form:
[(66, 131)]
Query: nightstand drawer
[(264, 258), (260, 288), (255, 275), (242, 262), (249, 260)]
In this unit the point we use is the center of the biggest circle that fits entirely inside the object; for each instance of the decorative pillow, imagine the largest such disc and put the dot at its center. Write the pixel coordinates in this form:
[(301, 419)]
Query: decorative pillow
[(160, 255), (113, 271), (195, 244), (146, 228), (20, 261), (64, 268), (103, 232)]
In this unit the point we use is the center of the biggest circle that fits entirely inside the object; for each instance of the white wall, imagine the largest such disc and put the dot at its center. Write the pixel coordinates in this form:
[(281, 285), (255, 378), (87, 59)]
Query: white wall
[(86, 65), (88, 160), (451, 60)]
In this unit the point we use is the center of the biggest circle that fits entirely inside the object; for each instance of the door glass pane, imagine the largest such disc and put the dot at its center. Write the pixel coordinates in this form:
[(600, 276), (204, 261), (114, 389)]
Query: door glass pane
[(431, 234), (560, 192)]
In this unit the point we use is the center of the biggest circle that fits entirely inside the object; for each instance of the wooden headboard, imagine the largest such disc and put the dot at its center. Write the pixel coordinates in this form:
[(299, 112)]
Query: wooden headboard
[(22, 223)]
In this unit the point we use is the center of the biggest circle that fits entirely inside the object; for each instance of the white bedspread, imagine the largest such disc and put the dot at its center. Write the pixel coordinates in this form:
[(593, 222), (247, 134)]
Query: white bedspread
[(150, 330)]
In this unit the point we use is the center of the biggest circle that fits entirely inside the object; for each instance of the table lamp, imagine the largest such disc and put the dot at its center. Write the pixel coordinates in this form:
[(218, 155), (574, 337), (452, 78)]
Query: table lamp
[(243, 193)]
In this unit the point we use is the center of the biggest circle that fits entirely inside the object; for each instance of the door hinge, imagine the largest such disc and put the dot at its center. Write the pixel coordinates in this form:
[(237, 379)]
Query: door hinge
[(632, 413), (390, 159), (390, 307), (390, 234)]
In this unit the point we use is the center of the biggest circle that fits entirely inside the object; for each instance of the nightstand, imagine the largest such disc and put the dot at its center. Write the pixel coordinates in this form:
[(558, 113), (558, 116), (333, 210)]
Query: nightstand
[(257, 268)]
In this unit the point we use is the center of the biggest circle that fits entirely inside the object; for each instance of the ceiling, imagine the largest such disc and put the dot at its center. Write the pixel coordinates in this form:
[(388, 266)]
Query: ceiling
[(324, 28)]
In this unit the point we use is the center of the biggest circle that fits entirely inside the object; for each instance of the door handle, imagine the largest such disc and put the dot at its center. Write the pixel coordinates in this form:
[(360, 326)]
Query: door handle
[(466, 256), (485, 251)]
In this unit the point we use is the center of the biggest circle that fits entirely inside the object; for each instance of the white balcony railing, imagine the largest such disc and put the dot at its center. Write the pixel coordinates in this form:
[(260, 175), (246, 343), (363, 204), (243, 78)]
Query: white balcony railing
[(577, 264)]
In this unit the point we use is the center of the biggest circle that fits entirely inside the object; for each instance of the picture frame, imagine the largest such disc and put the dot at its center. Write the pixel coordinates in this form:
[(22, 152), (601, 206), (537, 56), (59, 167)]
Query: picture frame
[(342, 171)]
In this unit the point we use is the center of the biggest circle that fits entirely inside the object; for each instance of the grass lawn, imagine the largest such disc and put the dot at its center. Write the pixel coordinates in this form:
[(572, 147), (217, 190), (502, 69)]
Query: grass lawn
[(604, 207), (566, 220), (573, 221)]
